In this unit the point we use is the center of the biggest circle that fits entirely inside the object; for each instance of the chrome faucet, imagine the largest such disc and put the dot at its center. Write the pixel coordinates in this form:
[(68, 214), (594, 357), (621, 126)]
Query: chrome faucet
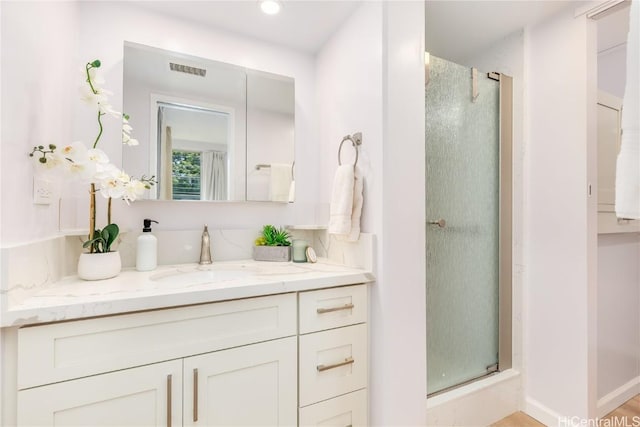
[(205, 248)]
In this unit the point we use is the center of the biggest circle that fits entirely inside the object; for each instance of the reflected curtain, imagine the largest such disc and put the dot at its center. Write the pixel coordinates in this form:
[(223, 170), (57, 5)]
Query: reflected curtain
[(213, 175), (166, 162)]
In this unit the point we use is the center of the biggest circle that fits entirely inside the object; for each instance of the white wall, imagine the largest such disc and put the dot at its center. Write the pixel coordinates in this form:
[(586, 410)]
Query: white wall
[(618, 311), (35, 36), (559, 277), (42, 86), (378, 91), (399, 303), (349, 91)]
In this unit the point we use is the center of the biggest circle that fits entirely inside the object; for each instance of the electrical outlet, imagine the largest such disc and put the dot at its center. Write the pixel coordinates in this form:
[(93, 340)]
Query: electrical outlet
[(42, 191)]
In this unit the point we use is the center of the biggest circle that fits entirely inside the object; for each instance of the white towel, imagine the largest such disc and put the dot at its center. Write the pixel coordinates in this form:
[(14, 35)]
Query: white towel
[(358, 200), (280, 182), (346, 204), (292, 192), (628, 164)]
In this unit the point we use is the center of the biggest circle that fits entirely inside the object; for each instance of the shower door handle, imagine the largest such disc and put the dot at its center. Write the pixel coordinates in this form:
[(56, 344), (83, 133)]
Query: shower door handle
[(439, 222)]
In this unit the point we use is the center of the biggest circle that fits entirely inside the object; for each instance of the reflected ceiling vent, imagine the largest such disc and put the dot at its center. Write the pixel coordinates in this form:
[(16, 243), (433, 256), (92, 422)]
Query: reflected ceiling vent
[(187, 69)]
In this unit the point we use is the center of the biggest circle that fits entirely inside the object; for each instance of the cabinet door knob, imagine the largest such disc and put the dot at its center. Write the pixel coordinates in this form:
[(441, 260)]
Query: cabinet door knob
[(332, 309), (439, 222), (347, 361), (195, 395)]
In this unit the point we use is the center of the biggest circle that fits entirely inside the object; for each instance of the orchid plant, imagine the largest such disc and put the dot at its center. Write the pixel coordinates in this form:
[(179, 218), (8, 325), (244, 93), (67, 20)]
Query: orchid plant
[(92, 165)]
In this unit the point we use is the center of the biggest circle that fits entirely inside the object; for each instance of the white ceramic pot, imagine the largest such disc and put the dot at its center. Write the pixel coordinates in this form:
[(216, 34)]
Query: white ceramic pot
[(99, 266)]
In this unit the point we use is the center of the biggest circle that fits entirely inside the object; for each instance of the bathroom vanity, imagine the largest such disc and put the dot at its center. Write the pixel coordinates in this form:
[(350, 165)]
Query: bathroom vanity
[(241, 343)]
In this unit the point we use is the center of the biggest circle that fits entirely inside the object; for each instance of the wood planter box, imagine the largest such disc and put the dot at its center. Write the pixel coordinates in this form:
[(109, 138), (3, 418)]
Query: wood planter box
[(272, 253)]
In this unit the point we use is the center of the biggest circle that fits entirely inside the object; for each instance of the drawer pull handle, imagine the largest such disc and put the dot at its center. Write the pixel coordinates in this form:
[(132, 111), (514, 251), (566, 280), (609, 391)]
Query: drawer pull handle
[(195, 395), (332, 309), (347, 361), (169, 378)]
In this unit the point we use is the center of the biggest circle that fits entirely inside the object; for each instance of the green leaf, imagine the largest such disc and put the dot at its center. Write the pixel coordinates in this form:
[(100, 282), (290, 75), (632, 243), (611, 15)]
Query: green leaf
[(110, 234), (275, 236)]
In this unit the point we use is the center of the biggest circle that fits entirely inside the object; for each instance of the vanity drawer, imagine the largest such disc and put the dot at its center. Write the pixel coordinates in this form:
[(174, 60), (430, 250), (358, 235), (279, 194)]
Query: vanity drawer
[(332, 308), (343, 411), (67, 350), (332, 363)]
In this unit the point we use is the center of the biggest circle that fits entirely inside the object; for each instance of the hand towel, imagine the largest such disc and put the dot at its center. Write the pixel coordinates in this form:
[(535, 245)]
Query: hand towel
[(280, 182), (292, 191), (346, 204), (628, 163), (342, 200), (358, 200)]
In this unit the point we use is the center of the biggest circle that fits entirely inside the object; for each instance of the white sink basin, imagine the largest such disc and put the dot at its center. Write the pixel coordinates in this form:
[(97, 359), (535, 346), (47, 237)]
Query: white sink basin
[(198, 276)]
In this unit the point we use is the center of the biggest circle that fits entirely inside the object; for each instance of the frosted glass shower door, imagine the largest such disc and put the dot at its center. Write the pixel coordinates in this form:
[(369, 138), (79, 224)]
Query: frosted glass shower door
[(462, 205)]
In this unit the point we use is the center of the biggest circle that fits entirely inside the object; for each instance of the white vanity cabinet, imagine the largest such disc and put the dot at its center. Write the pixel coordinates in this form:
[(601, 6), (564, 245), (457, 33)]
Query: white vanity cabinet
[(138, 369), (232, 363), (333, 357)]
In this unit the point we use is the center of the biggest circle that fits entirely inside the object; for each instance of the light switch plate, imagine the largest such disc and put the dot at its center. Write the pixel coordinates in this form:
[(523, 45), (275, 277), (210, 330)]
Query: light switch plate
[(42, 191)]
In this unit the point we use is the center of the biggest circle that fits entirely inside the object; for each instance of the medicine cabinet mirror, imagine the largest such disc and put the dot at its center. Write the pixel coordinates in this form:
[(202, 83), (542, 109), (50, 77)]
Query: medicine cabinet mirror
[(208, 130)]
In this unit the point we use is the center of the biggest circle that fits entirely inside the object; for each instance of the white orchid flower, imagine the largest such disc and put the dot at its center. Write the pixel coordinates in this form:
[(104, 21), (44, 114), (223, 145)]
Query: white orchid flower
[(111, 181), (133, 190), (76, 151), (106, 108), (126, 139), (97, 156), (105, 171), (96, 77), (91, 98)]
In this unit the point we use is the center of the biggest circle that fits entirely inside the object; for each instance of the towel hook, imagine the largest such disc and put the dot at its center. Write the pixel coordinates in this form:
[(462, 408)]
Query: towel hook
[(356, 141)]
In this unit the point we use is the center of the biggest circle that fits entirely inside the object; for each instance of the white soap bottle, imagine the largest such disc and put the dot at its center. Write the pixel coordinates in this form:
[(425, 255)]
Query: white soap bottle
[(147, 248)]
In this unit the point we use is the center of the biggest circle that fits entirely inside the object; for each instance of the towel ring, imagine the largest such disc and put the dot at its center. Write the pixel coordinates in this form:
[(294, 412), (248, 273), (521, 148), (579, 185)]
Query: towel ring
[(356, 141)]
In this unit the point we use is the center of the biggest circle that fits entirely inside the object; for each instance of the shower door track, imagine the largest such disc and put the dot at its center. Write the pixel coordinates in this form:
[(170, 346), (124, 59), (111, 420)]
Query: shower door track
[(467, 382)]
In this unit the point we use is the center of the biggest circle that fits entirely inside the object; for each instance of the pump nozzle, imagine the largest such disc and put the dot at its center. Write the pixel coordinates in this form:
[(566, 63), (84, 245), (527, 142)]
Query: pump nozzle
[(147, 225)]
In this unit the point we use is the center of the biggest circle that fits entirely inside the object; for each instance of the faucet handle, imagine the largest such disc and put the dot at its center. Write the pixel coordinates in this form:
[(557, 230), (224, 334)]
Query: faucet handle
[(205, 247)]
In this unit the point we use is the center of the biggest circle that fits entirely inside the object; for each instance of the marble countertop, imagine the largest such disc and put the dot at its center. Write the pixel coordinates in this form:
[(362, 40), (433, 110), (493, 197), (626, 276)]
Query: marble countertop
[(168, 286)]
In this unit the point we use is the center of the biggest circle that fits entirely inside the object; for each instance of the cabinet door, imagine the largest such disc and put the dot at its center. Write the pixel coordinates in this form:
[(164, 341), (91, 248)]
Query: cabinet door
[(253, 385), (146, 396)]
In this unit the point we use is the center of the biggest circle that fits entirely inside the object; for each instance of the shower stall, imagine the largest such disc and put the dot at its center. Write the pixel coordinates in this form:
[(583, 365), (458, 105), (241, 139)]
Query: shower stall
[(468, 237)]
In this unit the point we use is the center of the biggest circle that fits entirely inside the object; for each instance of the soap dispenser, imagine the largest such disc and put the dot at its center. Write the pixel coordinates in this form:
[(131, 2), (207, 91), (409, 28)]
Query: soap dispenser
[(147, 248)]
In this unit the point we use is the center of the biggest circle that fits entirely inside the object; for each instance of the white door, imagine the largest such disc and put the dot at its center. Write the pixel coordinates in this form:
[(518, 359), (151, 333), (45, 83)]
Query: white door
[(253, 385), (145, 396)]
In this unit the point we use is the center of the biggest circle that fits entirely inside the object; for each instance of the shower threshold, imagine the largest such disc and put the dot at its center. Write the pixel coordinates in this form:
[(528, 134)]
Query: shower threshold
[(465, 383)]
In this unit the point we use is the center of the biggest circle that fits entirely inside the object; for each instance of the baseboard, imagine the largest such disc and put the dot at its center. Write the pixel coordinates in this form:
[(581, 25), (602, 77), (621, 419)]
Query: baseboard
[(537, 410), (617, 397)]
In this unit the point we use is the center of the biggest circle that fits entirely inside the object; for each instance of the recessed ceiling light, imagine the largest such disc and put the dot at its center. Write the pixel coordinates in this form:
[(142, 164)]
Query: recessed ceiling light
[(270, 7)]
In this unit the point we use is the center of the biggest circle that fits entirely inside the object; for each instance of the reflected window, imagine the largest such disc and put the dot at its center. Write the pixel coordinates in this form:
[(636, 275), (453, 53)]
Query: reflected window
[(193, 143), (186, 175)]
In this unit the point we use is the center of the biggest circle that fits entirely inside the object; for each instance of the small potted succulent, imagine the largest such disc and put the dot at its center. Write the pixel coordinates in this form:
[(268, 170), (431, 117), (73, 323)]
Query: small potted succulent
[(274, 244)]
